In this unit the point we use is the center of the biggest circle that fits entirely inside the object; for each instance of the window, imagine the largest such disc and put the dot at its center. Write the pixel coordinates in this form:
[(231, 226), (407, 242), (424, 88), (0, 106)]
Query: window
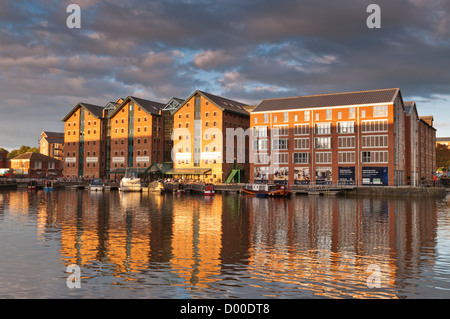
[(301, 143), (375, 157), (280, 144), (374, 126), (301, 129), (301, 158), (275, 119), (317, 116), (285, 117), (295, 117), (339, 115), (266, 118), (322, 142), (260, 145), (261, 158), (280, 130), (363, 113), (346, 142), (323, 157), (329, 114), (281, 158), (306, 116), (351, 113), (375, 141), (260, 131), (346, 157), (322, 128), (346, 127), (379, 111)]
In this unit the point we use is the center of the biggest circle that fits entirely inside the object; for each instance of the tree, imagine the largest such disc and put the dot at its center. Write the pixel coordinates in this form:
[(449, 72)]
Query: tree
[(23, 149), (442, 156)]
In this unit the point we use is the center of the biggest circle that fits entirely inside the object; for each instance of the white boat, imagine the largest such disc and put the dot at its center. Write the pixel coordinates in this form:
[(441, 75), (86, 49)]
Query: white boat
[(96, 185), (130, 182)]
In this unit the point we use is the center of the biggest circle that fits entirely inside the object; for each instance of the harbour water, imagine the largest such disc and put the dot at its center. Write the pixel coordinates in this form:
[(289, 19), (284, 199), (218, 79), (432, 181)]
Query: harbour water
[(146, 245)]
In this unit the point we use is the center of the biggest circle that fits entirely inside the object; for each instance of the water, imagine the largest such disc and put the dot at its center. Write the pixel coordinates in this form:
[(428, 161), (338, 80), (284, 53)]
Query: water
[(133, 245)]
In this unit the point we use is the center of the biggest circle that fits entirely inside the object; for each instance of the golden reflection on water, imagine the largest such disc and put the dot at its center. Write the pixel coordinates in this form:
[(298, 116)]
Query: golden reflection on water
[(310, 245)]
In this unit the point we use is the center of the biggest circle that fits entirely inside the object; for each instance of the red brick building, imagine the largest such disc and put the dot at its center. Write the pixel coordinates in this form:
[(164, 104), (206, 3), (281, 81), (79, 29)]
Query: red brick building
[(52, 144), (200, 137), (36, 165), (355, 137), (137, 134), (427, 148), (84, 141)]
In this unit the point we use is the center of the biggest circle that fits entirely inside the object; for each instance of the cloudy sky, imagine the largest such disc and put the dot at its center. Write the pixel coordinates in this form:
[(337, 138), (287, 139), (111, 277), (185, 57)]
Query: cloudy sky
[(243, 50)]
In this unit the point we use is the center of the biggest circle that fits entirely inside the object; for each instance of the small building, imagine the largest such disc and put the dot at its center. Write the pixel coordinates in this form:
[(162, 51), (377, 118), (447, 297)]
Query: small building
[(4, 163), (36, 165), (52, 144), (443, 141)]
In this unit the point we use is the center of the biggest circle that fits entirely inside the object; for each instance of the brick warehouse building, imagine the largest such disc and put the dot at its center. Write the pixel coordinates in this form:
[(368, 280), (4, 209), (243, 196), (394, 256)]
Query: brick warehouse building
[(84, 141), (355, 137), (427, 148), (137, 130), (200, 124)]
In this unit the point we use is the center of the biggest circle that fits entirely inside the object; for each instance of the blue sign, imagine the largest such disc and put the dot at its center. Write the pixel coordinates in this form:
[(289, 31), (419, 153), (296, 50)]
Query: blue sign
[(375, 176), (346, 175)]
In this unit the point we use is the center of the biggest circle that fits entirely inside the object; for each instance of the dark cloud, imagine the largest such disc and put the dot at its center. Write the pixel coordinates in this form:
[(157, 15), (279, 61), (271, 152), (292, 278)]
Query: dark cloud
[(245, 50)]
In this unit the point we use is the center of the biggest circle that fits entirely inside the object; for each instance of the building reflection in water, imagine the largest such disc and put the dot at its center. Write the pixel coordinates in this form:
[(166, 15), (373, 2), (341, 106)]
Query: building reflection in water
[(317, 246)]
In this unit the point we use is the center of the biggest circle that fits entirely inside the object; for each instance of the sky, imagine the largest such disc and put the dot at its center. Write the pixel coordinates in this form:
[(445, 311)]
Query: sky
[(243, 50)]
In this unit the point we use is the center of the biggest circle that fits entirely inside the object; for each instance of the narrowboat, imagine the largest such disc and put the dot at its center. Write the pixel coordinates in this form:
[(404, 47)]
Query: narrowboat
[(266, 190)]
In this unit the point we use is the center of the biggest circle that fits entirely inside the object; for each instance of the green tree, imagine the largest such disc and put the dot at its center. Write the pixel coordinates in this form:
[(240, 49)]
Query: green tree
[(23, 149), (442, 156)]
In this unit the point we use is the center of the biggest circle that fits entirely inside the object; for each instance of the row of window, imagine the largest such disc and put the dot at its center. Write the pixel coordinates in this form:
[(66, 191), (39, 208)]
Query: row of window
[(323, 128), (378, 111), (321, 142), (323, 157)]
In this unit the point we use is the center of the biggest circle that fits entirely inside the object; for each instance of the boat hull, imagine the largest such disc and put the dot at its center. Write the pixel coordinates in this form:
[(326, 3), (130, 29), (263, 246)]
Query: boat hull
[(96, 188), (275, 193)]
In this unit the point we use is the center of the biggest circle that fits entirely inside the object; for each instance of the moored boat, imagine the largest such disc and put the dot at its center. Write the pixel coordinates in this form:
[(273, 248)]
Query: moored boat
[(49, 186), (130, 182), (96, 185), (156, 187), (205, 189), (32, 185), (266, 190)]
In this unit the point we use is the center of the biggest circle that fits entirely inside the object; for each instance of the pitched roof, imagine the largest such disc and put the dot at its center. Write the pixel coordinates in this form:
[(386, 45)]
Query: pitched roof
[(226, 104), (95, 110), (53, 134), (222, 103), (34, 156), (151, 107), (328, 100), (410, 106)]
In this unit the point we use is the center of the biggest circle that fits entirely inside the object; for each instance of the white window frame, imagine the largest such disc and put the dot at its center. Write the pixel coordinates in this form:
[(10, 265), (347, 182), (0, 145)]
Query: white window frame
[(346, 139), (304, 158), (385, 155), (377, 140), (346, 157), (324, 157)]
